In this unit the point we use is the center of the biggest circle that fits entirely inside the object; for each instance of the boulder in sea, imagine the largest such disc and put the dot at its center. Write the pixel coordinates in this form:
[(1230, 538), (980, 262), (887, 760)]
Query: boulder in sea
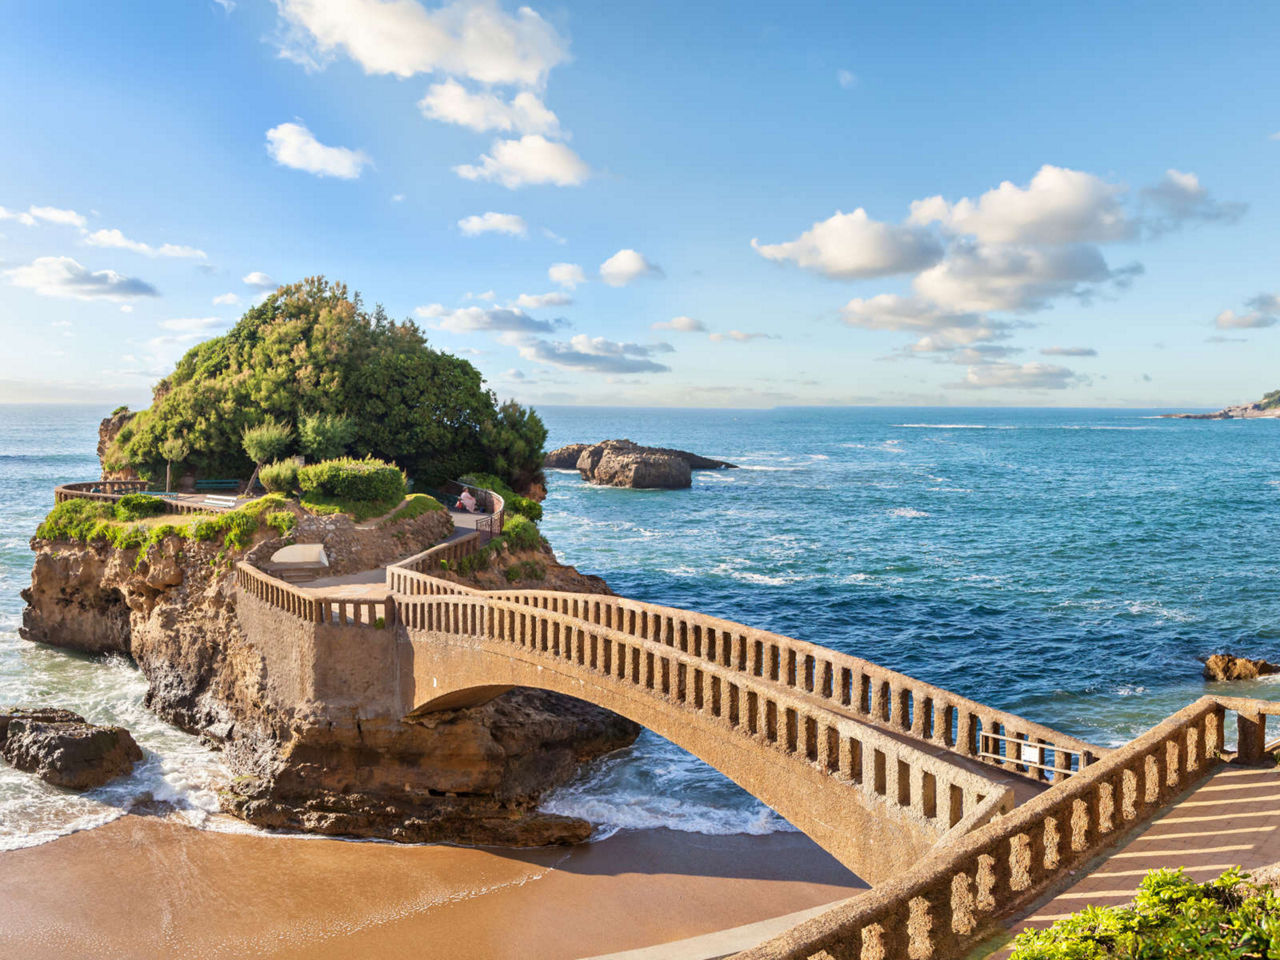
[(624, 463), (1223, 666), (59, 747), (565, 458)]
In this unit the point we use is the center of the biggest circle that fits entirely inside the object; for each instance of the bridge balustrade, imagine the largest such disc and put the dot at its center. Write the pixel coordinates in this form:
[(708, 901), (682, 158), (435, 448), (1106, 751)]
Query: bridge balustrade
[(340, 611)]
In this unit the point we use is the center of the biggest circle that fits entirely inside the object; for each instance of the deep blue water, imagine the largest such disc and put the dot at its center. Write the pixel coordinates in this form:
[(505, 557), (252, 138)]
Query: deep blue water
[(1069, 565)]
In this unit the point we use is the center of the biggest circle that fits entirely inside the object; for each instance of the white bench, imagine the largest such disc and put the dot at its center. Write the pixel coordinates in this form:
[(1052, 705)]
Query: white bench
[(217, 500)]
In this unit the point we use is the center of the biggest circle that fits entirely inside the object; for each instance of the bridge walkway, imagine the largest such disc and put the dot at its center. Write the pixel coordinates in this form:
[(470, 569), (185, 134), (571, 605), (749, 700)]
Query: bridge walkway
[(1231, 819)]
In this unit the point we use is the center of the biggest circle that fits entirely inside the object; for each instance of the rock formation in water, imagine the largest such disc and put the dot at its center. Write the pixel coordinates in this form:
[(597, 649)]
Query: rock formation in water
[(1223, 666), (623, 463), (1268, 406), (59, 747), (472, 775)]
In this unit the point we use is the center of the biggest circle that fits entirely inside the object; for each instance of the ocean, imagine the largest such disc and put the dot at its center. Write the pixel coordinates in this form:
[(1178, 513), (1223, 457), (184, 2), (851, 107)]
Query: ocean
[(1068, 565)]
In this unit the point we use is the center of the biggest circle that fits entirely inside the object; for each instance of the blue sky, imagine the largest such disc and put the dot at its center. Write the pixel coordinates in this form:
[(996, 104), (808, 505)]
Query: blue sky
[(751, 204)]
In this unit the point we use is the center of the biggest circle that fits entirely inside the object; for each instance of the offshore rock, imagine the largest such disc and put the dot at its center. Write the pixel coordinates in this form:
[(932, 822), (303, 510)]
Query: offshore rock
[(620, 463), (565, 458), (60, 748), (1223, 666), (569, 457)]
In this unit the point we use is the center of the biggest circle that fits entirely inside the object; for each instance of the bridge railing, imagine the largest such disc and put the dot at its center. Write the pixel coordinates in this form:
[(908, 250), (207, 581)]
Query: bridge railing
[(109, 491), (340, 611), (874, 693), (953, 899), (886, 768)]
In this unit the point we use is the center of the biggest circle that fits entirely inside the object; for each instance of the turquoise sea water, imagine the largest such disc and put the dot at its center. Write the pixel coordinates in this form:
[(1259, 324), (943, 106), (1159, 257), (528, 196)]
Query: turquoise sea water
[(1069, 565)]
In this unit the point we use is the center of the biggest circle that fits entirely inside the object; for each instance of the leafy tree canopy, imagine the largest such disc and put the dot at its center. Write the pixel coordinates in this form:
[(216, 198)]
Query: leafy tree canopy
[(312, 354)]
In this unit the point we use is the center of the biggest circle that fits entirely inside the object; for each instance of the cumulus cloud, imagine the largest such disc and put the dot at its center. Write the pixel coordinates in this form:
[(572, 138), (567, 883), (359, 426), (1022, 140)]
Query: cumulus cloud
[(567, 275), (116, 239), (451, 102), (596, 354), (476, 319), (536, 301), (258, 280), (293, 145), (1023, 376), (852, 246), (939, 330), (737, 336), (1058, 206), (1180, 198), (682, 324), (64, 277), (34, 214), (533, 159), (192, 324), (469, 38), (1068, 352), (226, 299), (627, 265), (508, 223)]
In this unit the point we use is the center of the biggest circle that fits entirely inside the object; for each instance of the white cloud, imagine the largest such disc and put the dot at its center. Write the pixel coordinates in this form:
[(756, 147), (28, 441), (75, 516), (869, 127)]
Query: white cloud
[(258, 280), (939, 330), (627, 265), (738, 336), (852, 246), (847, 79), (475, 319), (26, 219), (226, 299), (682, 324), (508, 223), (293, 145), (1058, 206), (451, 102), (1068, 352), (536, 301), (66, 218), (192, 324), (1180, 198), (1024, 376), (1253, 320), (533, 159), (567, 275), (114, 238), (596, 354), (471, 38), (64, 277)]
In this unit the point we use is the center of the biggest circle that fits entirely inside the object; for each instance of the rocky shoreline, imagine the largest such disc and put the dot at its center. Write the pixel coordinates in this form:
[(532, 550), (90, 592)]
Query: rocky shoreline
[(1243, 411)]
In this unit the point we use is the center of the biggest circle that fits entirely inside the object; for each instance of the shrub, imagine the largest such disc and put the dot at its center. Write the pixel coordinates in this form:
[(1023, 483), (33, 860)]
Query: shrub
[(135, 506), (74, 520), (268, 440), (279, 477), (525, 570), (350, 479), (1171, 917), (524, 506), (123, 408), (325, 435), (281, 521), (520, 533)]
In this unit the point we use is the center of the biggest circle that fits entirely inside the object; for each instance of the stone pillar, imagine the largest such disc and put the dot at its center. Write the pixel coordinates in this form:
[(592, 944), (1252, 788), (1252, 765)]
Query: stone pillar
[(1252, 731)]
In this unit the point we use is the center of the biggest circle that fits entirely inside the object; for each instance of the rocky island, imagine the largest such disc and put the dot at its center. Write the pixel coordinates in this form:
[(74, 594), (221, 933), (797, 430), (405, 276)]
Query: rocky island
[(624, 463), (1268, 406)]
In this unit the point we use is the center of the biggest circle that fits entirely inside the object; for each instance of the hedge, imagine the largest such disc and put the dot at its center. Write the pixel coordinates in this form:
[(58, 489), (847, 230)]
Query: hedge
[(279, 477), (351, 479), (136, 506)]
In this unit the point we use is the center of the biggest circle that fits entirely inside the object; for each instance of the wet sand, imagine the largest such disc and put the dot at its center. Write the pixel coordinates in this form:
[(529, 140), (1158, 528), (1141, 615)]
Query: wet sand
[(147, 888)]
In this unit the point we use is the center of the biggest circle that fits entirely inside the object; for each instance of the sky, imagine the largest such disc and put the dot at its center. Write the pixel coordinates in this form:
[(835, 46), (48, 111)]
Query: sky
[(711, 204)]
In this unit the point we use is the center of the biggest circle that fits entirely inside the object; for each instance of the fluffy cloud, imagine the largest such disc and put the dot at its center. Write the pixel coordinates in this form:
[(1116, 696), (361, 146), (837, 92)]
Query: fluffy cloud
[(293, 145), (64, 277), (471, 38), (626, 265), (1068, 352), (226, 299), (192, 324), (1058, 206), (451, 102), (475, 319), (35, 214), (533, 159), (852, 246), (508, 223), (567, 275), (1180, 198), (258, 280), (737, 336), (939, 330), (536, 301), (682, 324), (116, 239), (596, 354), (1024, 376)]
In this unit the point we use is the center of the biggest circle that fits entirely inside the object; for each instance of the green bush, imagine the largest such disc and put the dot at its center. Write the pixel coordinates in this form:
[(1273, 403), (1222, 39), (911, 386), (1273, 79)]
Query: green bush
[(279, 477), (351, 479), (323, 436), (281, 521), (1171, 918), (75, 519), (515, 503), (526, 570), (520, 533), (136, 506), (268, 440)]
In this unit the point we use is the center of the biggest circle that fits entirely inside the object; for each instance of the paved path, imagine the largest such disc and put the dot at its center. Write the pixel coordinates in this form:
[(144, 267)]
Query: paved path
[(1232, 819)]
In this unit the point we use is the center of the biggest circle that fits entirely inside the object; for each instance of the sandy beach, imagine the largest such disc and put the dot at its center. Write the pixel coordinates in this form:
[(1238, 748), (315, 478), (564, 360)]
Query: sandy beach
[(142, 887)]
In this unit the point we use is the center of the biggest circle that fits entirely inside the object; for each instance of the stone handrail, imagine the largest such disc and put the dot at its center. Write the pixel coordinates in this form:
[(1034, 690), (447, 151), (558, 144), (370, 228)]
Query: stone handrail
[(744, 700), (109, 491), (953, 899), (284, 596)]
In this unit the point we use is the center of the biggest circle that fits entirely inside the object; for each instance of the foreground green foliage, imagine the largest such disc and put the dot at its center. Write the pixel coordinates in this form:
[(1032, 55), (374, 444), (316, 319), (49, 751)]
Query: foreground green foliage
[(136, 506), (351, 479), (1172, 917), (279, 477), (352, 379)]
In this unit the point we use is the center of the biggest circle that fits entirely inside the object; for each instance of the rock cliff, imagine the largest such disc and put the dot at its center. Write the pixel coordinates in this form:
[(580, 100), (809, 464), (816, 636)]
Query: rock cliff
[(472, 775)]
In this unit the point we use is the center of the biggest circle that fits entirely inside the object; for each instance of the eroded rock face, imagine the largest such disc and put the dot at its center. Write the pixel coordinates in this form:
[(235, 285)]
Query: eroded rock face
[(108, 429), (60, 748), (621, 463), (1241, 411), (470, 775), (570, 457), (1223, 666), (565, 458)]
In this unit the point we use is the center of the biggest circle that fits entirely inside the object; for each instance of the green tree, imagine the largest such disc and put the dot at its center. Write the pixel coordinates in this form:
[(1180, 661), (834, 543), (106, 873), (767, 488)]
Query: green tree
[(268, 440), (514, 439), (324, 436), (174, 450)]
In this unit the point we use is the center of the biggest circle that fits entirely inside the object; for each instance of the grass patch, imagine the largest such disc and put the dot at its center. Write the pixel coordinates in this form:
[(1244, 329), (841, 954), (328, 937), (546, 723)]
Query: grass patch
[(360, 510), (414, 505)]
